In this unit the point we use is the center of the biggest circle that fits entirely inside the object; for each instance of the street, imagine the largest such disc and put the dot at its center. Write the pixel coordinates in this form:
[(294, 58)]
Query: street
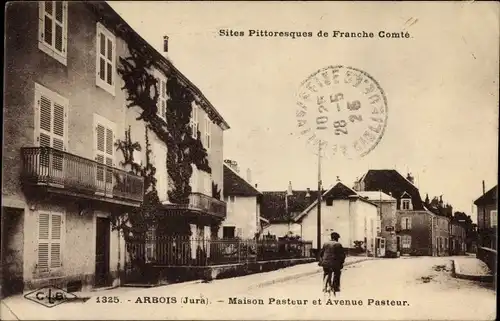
[(371, 290)]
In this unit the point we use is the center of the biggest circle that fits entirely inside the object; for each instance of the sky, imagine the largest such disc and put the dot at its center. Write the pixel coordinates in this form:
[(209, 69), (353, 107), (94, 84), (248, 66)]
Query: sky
[(441, 84)]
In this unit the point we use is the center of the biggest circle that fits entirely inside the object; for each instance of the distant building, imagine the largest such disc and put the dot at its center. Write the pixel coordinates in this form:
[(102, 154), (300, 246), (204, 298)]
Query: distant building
[(243, 206), (487, 218), (386, 234), (279, 208), (343, 211), (418, 230)]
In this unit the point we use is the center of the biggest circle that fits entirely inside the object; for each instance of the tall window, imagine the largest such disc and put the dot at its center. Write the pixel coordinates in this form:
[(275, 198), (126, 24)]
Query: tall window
[(406, 223), (52, 126), (406, 241), (162, 98), (105, 59), (104, 152), (493, 218), (193, 122), (53, 29), (208, 132), (50, 233)]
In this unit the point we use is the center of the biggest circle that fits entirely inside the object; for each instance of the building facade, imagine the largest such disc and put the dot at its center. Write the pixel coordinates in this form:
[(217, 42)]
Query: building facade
[(418, 230), (487, 218), (387, 244), (345, 212), (64, 112), (243, 206)]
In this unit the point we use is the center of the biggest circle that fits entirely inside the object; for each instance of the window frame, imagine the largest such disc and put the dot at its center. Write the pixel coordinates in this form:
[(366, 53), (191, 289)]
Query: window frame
[(54, 98), (493, 213), (110, 88), (194, 121), (406, 201), (162, 94), (50, 49), (406, 241), (406, 223), (208, 132), (51, 271)]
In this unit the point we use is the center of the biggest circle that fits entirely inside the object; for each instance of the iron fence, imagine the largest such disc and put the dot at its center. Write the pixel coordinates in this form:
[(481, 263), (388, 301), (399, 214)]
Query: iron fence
[(189, 251)]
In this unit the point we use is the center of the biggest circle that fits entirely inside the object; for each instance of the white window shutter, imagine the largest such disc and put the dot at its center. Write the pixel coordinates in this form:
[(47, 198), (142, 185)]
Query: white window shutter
[(55, 241), (100, 137), (43, 241)]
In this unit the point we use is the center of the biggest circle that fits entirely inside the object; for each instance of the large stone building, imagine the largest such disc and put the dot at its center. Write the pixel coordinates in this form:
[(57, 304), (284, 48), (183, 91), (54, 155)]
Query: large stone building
[(64, 111), (418, 230)]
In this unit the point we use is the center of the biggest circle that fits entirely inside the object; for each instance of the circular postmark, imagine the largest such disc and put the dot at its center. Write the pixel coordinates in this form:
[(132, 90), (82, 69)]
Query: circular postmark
[(341, 111)]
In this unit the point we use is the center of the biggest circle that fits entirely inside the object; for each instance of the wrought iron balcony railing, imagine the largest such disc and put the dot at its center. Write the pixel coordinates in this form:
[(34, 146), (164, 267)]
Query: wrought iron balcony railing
[(199, 202), (55, 168), (207, 204)]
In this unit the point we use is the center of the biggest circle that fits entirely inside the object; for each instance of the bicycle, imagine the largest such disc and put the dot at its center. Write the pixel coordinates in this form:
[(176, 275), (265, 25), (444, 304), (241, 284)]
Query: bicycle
[(328, 282)]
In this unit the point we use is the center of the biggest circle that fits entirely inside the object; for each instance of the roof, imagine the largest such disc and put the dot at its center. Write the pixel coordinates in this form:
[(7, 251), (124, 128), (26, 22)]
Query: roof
[(392, 182), (377, 196), (113, 20), (234, 184), (338, 191), (273, 205), (490, 197)]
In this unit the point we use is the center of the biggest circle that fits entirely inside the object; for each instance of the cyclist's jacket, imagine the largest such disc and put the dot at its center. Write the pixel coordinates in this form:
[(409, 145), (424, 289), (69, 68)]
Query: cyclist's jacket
[(332, 255)]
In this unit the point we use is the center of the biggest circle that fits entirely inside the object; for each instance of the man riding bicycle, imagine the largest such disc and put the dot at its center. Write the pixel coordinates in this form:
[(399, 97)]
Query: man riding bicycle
[(332, 257)]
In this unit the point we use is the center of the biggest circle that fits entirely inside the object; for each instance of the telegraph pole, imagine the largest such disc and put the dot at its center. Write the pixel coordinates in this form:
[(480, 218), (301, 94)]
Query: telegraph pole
[(319, 199), (484, 217)]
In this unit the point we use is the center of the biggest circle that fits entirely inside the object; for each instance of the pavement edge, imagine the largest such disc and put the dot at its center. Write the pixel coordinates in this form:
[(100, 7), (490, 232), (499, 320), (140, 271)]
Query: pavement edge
[(457, 273)]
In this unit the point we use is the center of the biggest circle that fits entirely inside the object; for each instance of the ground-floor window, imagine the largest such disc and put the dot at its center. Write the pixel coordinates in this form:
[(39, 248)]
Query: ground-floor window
[(50, 235), (406, 241), (228, 232)]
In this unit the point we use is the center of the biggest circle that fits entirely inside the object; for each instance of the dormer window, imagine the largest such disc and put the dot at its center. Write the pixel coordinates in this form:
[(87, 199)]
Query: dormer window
[(406, 203)]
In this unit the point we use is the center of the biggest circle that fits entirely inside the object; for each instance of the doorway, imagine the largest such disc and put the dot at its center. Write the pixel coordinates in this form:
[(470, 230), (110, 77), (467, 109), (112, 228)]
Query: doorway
[(380, 246), (102, 244), (11, 253)]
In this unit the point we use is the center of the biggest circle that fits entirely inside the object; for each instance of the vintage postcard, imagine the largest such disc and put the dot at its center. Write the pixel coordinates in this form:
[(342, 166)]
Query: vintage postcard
[(250, 160)]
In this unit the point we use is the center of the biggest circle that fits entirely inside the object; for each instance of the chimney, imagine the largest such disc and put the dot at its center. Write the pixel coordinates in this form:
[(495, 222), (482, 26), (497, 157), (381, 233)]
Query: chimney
[(165, 44), (255, 185), (338, 179), (410, 178), (308, 194), (249, 175), (289, 190)]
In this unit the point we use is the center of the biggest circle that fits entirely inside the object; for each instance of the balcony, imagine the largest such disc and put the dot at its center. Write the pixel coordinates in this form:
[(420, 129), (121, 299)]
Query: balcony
[(204, 204), (65, 173)]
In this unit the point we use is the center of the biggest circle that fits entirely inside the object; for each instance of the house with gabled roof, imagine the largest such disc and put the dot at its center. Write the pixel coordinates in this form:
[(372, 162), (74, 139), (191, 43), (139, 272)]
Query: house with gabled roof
[(243, 209), (418, 230), (279, 208), (343, 211)]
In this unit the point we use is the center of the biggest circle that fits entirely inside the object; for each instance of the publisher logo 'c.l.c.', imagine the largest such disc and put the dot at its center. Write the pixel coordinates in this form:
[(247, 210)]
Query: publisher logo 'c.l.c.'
[(50, 296)]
